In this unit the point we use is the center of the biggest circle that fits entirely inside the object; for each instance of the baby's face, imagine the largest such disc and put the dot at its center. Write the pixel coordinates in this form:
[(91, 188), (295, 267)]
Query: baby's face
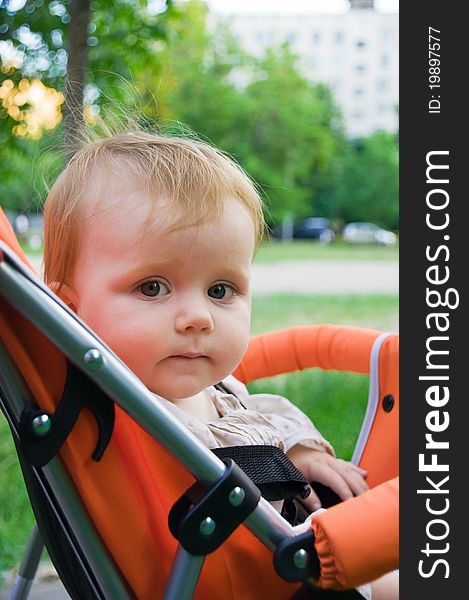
[(173, 305)]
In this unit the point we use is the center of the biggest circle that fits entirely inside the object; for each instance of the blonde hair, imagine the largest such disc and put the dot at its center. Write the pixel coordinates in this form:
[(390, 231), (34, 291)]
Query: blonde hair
[(194, 178)]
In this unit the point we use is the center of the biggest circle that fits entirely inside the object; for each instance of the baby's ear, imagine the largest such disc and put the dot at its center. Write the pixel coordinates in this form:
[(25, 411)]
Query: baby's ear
[(68, 295)]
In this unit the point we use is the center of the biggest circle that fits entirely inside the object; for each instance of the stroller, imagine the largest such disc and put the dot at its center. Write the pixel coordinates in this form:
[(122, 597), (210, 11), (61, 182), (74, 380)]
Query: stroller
[(107, 467)]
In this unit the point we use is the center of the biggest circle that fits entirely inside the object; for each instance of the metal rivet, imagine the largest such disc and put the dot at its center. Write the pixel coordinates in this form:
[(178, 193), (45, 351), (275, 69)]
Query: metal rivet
[(236, 496), (207, 526), (93, 358), (388, 403), (41, 424), (300, 558)]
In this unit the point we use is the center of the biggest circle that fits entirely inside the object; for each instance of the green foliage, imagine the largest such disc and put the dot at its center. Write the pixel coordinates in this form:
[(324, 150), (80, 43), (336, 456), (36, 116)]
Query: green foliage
[(292, 135), (170, 71), (281, 128), (123, 40), (26, 170), (118, 30), (122, 36), (366, 182), (193, 86), (37, 29)]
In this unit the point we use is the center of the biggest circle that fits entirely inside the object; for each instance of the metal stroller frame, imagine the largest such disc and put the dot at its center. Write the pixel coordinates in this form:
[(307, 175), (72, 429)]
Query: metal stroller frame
[(30, 297)]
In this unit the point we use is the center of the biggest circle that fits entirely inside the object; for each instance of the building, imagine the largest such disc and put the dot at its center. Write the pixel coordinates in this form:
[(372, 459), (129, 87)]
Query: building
[(355, 53)]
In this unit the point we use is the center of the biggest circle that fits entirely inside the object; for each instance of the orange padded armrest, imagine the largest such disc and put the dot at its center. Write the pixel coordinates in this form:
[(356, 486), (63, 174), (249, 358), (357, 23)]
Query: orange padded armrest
[(325, 346), (357, 541)]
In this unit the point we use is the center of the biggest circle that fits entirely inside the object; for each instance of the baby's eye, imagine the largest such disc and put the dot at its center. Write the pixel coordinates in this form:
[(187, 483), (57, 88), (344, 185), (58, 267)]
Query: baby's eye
[(220, 291), (153, 288)]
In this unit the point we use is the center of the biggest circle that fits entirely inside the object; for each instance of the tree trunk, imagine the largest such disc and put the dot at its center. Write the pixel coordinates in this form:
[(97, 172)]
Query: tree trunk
[(77, 66), (287, 228)]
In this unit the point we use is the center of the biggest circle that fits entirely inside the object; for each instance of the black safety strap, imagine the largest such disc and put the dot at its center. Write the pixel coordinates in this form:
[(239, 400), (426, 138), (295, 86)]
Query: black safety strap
[(269, 468), (306, 592)]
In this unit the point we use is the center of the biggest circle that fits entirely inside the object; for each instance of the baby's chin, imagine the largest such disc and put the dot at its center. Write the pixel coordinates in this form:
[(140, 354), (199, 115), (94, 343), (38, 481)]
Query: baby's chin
[(179, 385), (177, 393)]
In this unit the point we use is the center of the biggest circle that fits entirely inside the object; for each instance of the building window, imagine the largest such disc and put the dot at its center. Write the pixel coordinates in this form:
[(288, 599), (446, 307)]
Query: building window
[(316, 37), (384, 60), (263, 38), (290, 38), (358, 91), (339, 37), (381, 85), (386, 35), (357, 114), (360, 44), (360, 68)]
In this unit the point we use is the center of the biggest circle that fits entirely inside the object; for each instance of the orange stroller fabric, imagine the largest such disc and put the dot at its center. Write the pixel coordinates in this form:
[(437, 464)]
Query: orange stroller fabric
[(362, 526), (340, 348), (129, 493), (373, 523)]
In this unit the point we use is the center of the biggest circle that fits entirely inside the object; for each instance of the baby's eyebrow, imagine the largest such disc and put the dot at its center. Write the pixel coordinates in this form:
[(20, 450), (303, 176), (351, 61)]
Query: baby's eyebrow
[(164, 267), (138, 271), (230, 273), (153, 265)]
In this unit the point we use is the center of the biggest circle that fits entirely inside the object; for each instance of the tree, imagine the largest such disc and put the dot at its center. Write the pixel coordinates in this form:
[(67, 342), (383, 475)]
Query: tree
[(293, 129), (367, 181), (194, 85), (100, 44), (282, 129), (77, 66)]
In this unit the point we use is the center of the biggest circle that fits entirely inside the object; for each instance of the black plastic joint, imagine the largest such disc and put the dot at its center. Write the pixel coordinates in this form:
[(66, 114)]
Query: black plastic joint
[(202, 519), (42, 434), (295, 558)]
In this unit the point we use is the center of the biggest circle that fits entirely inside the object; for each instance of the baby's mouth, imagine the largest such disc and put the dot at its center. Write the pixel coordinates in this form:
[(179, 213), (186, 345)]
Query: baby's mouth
[(189, 355)]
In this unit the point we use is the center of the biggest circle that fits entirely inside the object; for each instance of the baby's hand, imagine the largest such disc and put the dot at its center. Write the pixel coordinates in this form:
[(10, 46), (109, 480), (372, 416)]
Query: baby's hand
[(344, 478)]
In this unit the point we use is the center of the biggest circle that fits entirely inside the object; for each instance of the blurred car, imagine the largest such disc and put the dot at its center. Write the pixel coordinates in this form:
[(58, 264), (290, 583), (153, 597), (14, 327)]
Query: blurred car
[(368, 233), (35, 232), (314, 228), (29, 228)]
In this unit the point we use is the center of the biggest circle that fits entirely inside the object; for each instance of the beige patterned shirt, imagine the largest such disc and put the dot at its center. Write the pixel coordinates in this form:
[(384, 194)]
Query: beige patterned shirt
[(264, 419)]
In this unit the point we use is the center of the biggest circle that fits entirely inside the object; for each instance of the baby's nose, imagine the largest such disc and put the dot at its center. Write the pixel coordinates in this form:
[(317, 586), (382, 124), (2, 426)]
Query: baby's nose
[(194, 317)]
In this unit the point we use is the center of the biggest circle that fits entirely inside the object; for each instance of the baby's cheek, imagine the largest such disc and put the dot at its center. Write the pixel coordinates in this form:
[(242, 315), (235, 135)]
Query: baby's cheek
[(238, 348)]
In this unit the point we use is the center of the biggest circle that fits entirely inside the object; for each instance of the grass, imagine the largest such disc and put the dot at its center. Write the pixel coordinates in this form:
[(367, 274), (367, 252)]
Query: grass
[(334, 401), (31, 251), (287, 310), (16, 518), (275, 251)]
